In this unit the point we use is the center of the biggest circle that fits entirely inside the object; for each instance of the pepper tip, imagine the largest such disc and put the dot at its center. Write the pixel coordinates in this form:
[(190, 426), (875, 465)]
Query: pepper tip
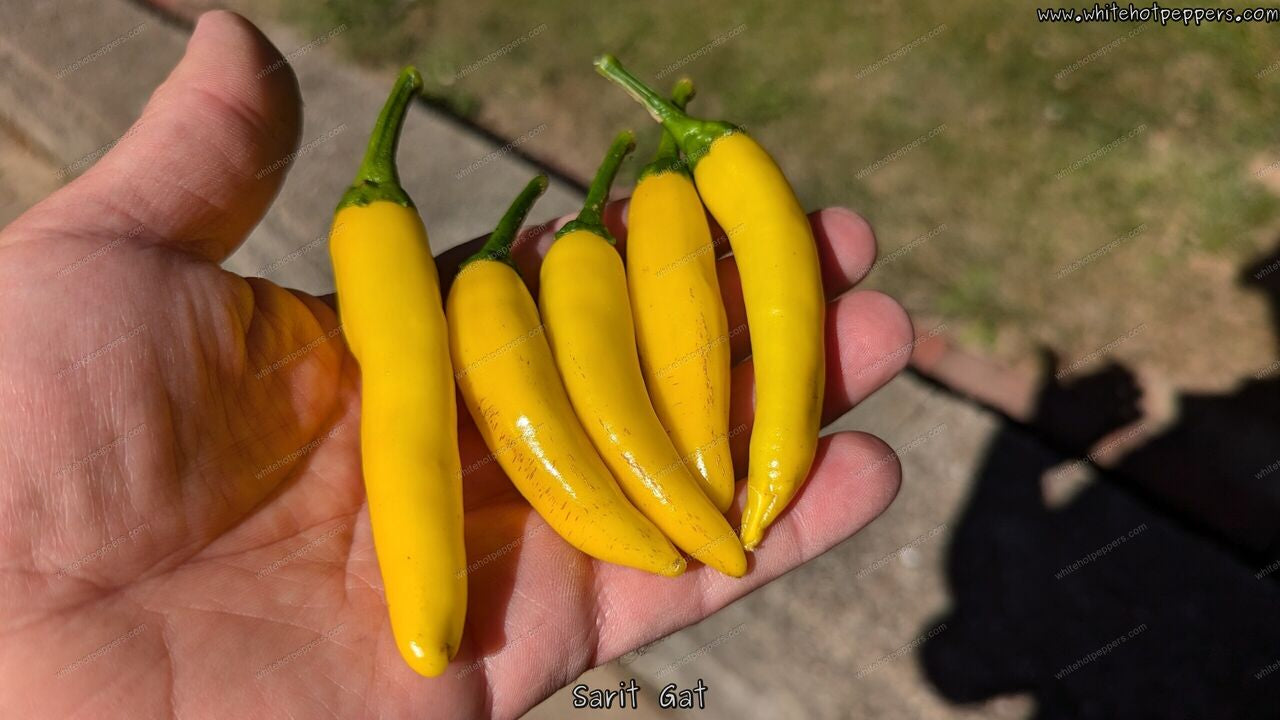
[(605, 61), (411, 77), (753, 526), (428, 660), (676, 568), (683, 92)]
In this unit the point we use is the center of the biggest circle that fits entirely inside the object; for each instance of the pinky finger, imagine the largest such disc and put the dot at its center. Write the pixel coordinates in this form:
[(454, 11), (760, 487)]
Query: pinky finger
[(855, 477)]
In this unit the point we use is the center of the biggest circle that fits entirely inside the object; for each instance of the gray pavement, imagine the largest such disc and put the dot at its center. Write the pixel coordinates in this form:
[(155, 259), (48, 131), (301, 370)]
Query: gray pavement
[(951, 605)]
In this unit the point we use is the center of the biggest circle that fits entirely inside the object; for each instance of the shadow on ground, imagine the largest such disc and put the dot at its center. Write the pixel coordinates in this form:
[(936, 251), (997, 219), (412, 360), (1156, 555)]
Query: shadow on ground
[(1100, 606)]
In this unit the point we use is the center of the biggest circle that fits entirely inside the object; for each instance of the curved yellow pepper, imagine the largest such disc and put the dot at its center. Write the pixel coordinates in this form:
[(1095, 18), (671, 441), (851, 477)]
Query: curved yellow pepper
[(681, 328), (583, 298), (777, 259), (509, 382), (394, 324)]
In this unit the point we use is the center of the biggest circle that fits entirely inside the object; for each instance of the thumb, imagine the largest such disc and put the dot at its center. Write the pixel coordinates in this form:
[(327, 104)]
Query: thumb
[(202, 164)]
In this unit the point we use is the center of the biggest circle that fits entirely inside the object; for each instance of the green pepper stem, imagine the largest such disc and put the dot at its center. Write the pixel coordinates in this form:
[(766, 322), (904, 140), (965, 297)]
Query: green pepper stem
[(377, 178), (667, 157), (498, 246), (694, 136), (591, 218)]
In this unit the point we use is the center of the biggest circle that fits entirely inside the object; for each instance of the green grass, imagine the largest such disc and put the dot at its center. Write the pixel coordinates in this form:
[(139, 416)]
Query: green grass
[(987, 72)]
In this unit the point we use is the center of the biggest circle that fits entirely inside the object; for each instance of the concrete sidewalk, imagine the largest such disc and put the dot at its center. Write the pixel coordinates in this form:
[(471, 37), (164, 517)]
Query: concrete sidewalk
[(980, 593)]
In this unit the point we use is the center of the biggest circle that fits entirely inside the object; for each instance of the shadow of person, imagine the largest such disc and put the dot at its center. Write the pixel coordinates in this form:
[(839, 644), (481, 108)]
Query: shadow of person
[(1099, 607), (1218, 467)]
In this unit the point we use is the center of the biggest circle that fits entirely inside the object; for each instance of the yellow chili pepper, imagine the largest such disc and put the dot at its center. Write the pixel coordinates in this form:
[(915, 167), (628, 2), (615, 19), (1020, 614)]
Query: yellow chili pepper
[(509, 382), (393, 319), (584, 302), (777, 258), (681, 328)]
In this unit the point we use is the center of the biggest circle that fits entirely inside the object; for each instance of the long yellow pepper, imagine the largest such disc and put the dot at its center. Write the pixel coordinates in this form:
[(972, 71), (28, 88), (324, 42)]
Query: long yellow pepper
[(393, 319), (509, 382), (681, 328), (777, 258), (584, 302)]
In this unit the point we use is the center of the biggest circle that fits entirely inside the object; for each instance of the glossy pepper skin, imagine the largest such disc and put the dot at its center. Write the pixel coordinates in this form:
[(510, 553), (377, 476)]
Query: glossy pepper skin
[(394, 323), (681, 328), (777, 259), (583, 297), (509, 382)]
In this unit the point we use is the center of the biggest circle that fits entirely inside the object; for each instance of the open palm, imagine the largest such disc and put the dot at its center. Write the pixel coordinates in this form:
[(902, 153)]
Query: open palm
[(182, 521)]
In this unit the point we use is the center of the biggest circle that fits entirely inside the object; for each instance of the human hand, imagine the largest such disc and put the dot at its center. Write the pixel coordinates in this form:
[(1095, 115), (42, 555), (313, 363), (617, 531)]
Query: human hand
[(181, 511)]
